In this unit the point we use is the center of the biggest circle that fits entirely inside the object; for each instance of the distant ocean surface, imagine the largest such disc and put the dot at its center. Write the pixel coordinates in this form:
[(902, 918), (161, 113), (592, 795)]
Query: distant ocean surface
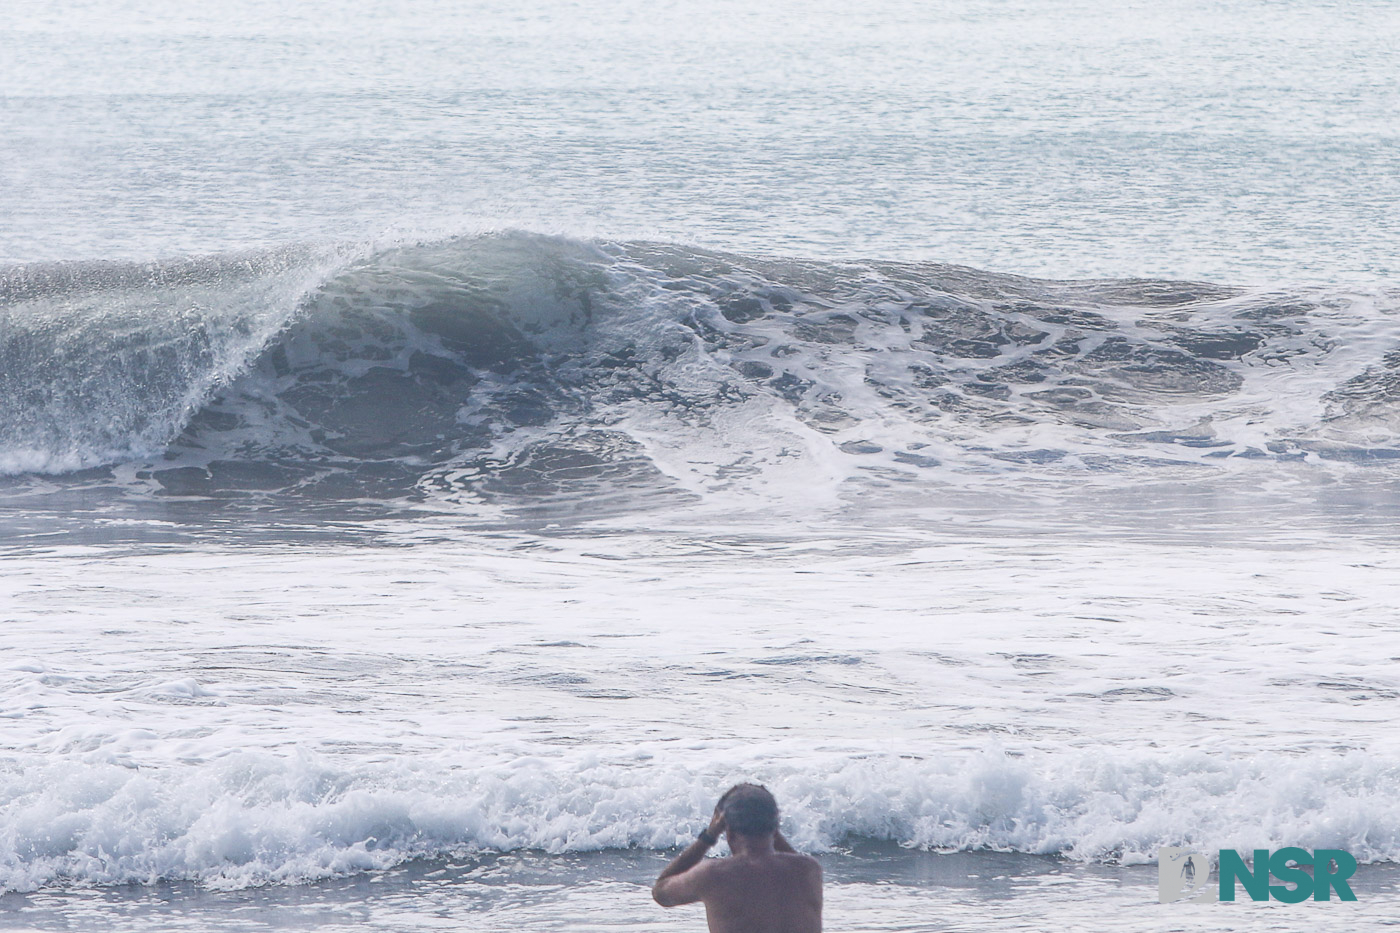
[(443, 446)]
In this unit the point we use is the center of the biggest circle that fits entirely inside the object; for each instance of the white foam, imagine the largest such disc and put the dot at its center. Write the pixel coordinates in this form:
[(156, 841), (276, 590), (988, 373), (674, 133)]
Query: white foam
[(249, 716), (251, 818)]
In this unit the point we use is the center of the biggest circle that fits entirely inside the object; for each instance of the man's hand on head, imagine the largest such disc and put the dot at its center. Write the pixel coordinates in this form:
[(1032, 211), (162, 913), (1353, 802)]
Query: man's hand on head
[(716, 822)]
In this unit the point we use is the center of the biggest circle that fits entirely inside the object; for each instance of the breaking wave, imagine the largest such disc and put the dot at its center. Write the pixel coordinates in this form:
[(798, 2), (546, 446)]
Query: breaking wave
[(518, 366), (252, 818)]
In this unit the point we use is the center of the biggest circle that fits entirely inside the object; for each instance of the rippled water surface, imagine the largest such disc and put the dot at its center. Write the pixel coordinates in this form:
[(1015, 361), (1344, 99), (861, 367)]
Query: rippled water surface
[(1246, 141)]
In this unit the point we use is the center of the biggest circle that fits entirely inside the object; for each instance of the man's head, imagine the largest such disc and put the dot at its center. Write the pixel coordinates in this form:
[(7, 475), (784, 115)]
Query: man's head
[(749, 810)]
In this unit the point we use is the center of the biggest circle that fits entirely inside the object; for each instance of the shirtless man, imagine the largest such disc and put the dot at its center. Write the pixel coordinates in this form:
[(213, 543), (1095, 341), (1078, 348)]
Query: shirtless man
[(764, 886)]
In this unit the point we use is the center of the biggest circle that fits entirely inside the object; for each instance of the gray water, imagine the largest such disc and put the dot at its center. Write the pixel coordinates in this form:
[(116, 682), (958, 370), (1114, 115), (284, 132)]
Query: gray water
[(886, 889), (442, 446)]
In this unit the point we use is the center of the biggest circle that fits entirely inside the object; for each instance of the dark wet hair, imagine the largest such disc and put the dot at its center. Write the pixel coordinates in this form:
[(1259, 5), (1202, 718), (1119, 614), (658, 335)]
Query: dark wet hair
[(749, 810)]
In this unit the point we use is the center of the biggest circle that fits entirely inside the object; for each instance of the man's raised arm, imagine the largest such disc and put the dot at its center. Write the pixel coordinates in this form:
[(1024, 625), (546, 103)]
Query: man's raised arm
[(682, 881)]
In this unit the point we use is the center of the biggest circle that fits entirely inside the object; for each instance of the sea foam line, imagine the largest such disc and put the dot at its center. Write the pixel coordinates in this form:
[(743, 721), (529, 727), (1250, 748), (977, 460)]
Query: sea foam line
[(251, 818)]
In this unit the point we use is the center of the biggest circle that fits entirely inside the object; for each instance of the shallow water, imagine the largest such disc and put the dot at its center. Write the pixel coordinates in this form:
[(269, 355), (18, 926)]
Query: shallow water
[(879, 889)]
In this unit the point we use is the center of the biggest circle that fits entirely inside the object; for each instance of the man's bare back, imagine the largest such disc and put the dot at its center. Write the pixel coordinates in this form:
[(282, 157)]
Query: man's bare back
[(762, 887)]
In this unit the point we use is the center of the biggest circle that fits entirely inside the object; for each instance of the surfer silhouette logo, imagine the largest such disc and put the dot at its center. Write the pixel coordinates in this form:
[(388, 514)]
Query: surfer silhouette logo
[(1183, 875)]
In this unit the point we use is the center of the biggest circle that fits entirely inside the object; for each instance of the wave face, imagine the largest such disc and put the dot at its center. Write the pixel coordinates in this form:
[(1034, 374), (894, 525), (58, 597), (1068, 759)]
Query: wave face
[(520, 366)]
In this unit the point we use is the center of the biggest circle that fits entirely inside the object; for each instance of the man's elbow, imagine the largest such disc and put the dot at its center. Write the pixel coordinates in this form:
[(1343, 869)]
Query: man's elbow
[(672, 892)]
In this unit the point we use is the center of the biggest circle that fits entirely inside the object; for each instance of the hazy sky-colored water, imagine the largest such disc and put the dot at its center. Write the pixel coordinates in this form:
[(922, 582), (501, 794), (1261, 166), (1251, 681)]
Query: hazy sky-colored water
[(1243, 141)]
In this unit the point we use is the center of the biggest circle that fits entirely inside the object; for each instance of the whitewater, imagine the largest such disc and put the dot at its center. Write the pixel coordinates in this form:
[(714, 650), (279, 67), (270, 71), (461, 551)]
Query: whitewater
[(442, 449)]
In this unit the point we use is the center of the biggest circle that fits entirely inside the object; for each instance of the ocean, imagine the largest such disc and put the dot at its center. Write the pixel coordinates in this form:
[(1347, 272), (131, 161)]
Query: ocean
[(444, 446)]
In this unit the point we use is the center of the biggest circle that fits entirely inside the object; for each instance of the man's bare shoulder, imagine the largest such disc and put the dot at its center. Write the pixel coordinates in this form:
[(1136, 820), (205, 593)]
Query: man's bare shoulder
[(798, 859), (808, 868)]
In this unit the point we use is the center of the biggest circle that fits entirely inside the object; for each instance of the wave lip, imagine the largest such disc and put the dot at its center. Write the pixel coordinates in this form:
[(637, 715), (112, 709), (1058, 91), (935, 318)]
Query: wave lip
[(521, 367), (105, 362)]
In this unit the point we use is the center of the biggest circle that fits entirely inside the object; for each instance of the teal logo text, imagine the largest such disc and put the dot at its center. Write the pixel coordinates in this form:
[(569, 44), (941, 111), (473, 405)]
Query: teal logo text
[(1290, 875)]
